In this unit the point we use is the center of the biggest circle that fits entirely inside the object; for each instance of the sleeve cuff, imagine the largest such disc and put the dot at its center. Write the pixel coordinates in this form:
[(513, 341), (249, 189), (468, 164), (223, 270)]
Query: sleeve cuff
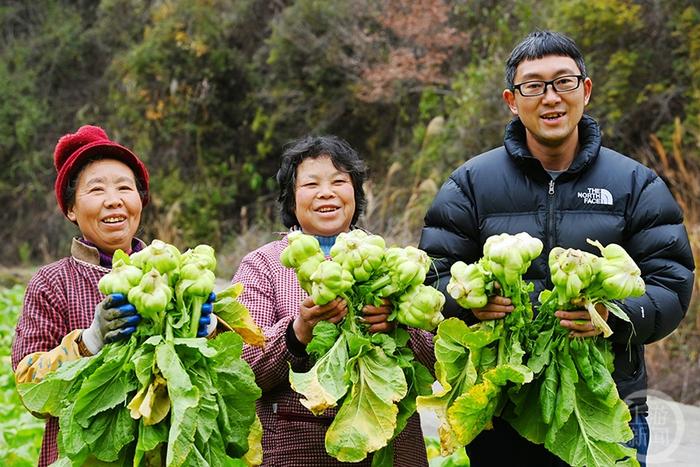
[(295, 347), (83, 351)]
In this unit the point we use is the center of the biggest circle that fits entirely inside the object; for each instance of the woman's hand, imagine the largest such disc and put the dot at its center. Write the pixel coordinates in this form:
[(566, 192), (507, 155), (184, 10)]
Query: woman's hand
[(496, 308), (310, 314), (376, 317), (579, 321)]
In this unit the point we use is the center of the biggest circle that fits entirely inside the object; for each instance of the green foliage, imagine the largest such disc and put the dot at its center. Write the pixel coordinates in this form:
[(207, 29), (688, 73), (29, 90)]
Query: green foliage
[(307, 74), (20, 432), (163, 389), (686, 28), (208, 92)]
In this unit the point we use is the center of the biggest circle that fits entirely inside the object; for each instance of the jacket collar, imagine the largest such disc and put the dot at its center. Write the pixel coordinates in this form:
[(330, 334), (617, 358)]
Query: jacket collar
[(589, 139), (91, 255)]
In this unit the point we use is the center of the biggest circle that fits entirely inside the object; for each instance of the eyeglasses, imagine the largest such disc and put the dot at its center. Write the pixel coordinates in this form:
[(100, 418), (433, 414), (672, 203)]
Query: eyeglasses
[(537, 88)]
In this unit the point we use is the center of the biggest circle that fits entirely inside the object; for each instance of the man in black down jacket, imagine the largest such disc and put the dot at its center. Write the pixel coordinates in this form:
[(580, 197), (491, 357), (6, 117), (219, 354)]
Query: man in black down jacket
[(554, 180)]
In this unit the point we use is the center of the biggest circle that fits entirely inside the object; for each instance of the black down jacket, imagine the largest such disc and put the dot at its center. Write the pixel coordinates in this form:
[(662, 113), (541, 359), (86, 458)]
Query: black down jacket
[(603, 196)]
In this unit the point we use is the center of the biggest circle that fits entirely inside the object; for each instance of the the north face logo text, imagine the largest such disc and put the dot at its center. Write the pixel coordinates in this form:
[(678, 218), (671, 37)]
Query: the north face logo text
[(596, 196)]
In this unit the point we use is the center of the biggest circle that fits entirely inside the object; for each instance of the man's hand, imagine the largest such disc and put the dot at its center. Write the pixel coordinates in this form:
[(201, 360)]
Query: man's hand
[(310, 314), (496, 308), (115, 319), (207, 320), (579, 321), (376, 317)]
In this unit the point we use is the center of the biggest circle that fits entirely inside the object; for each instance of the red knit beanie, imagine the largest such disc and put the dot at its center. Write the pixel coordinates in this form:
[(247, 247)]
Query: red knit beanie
[(74, 148)]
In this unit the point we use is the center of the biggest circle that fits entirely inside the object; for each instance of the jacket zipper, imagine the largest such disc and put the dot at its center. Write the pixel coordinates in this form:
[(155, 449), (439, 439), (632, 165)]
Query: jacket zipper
[(550, 220)]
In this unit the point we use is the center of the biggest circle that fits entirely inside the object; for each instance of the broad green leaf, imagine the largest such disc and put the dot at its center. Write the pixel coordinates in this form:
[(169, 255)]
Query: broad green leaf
[(566, 393), (212, 451), (482, 334), (458, 352), (525, 413), (385, 341), (540, 355), (184, 400), (514, 353), (324, 384), (108, 386), (233, 291), (514, 373), (143, 363), (419, 382), (49, 395), (401, 337), (325, 335), (70, 435), (236, 391), (150, 437), (228, 344), (208, 405), (357, 343), (109, 433), (485, 358), (384, 456), (367, 418), (594, 433), (194, 343)]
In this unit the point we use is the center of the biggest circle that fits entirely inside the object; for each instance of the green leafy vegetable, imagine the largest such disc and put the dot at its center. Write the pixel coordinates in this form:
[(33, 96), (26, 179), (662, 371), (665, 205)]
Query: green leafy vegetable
[(164, 390), (476, 365), (373, 377), (572, 406)]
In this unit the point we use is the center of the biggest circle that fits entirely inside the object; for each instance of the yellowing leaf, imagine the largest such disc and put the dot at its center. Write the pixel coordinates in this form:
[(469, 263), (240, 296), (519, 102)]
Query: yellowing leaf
[(254, 456), (323, 385), (135, 405), (237, 316), (156, 404), (472, 411), (367, 419)]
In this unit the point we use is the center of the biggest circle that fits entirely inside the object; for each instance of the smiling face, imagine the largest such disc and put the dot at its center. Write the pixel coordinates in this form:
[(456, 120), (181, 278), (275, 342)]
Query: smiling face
[(551, 119), (107, 205), (324, 197)]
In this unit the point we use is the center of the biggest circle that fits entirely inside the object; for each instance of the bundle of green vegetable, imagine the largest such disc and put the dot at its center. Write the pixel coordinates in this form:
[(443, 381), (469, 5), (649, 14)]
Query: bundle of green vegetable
[(573, 406), (375, 375), (475, 364), (164, 396)]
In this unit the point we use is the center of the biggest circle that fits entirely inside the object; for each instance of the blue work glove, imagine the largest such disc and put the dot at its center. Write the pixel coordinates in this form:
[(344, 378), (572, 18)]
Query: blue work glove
[(206, 323), (115, 319)]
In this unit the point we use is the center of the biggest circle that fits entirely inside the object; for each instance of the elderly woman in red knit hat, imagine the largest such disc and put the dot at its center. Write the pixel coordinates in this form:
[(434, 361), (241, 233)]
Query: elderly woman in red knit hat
[(102, 187)]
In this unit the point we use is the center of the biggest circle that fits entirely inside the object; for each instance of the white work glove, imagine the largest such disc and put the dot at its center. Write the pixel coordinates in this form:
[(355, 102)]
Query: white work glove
[(115, 319)]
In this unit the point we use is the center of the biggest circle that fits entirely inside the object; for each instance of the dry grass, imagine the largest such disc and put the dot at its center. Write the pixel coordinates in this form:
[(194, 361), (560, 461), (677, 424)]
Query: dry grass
[(397, 204), (232, 253), (674, 362)]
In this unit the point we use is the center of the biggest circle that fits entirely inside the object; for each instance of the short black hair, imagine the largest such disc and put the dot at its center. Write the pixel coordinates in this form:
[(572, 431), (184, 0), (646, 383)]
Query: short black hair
[(539, 44), (344, 158)]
